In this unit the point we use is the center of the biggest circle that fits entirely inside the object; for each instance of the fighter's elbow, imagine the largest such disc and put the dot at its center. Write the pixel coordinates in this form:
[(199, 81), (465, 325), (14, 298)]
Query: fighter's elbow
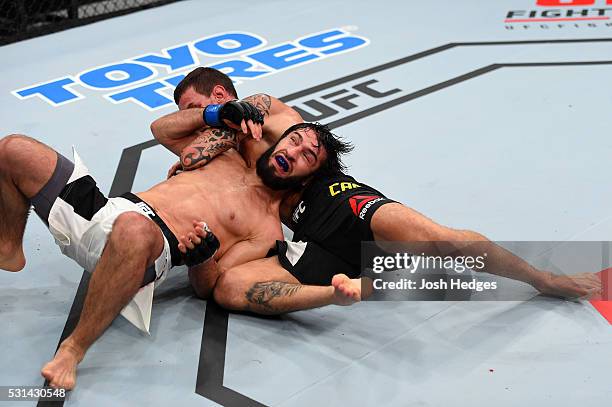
[(203, 281), (202, 288), (230, 291), (279, 108), (293, 115), (156, 129), (202, 293)]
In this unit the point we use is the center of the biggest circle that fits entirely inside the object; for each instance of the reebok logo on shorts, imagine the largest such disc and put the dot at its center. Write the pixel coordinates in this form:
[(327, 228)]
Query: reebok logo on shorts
[(360, 204)]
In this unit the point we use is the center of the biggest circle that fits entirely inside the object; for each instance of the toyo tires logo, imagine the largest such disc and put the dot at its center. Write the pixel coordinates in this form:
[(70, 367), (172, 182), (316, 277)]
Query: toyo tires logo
[(148, 80)]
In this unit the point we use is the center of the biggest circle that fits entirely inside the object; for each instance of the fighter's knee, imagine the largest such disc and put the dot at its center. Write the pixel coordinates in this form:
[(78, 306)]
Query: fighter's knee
[(131, 222), (12, 145), (135, 228), (16, 152), (16, 137)]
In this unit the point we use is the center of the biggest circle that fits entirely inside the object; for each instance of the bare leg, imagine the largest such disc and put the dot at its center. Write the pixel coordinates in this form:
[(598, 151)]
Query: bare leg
[(14, 209), (115, 280), (25, 167), (265, 287), (397, 223)]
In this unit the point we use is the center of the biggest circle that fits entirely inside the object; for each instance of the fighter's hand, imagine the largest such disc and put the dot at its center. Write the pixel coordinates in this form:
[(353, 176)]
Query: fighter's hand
[(247, 128), (198, 246), (577, 286), (176, 168), (236, 114)]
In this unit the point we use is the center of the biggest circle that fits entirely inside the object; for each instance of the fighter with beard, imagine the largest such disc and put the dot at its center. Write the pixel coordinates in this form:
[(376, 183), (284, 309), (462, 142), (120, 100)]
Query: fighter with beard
[(271, 138), (129, 243), (331, 216)]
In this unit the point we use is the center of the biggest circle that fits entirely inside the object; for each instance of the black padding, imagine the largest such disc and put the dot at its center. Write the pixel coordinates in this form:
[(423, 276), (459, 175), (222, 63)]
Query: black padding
[(44, 199), (84, 196), (316, 266), (202, 252)]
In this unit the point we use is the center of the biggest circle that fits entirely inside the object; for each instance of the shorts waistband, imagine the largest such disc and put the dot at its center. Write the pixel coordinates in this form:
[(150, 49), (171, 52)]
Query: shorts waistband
[(175, 253)]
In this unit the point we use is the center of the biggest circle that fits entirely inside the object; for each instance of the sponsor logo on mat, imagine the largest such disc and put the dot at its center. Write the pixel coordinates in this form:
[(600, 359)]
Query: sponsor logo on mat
[(561, 14), (148, 80)]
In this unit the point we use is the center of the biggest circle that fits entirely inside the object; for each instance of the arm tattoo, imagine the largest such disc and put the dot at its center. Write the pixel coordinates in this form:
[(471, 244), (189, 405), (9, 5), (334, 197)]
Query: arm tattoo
[(207, 146), (261, 101), (262, 293)]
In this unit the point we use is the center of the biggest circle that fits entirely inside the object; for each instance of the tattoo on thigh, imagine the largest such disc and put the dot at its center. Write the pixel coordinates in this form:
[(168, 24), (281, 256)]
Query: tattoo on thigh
[(262, 293)]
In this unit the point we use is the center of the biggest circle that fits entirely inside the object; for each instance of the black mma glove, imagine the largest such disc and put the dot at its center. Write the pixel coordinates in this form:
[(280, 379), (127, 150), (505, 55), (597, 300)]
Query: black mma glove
[(235, 111), (202, 252)]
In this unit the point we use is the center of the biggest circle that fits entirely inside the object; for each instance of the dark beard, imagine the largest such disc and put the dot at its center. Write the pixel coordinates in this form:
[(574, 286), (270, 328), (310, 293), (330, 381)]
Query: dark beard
[(265, 171)]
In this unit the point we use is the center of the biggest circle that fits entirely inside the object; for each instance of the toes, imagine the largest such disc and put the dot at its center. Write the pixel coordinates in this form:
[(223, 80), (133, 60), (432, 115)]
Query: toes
[(338, 280), (56, 384), (347, 290), (65, 381), (69, 384)]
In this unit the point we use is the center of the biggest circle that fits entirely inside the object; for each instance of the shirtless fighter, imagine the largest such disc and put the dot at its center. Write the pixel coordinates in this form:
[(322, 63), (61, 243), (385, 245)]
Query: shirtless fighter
[(334, 214), (119, 238)]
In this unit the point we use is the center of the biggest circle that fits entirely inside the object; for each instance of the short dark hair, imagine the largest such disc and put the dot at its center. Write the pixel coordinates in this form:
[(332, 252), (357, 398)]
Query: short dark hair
[(334, 145), (203, 80)]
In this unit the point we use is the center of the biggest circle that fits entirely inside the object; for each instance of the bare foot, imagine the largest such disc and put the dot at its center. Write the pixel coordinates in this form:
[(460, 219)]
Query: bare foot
[(61, 371), (585, 285), (346, 291), (11, 258)]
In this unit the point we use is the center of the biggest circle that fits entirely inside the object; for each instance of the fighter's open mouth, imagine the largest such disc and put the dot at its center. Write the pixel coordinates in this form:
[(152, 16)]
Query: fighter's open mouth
[(282, 162)]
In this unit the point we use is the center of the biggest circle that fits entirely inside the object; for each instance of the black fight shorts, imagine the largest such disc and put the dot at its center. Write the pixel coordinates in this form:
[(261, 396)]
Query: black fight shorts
[(310, 264)]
